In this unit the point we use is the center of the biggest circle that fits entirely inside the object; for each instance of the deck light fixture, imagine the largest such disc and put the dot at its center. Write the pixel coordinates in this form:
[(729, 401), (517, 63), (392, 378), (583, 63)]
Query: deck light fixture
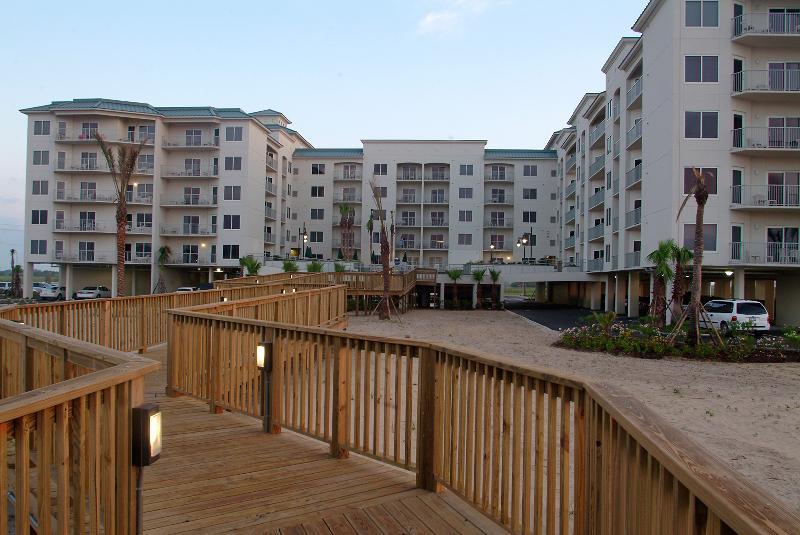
[(146, 434), (264, 363), (519, 243), (283, 290), (218, 270), (224, 300), (294, 290), (728, 273)]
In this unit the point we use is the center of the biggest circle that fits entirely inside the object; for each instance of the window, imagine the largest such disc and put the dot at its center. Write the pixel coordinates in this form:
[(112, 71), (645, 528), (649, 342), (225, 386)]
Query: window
[(498, 240), (379, 169), (710, 174), (376, 237), (464, 193), (529, 193), (701, 69), (498, 195), (465, 170), (498, 172), (146, 162), (317, 191), (381, 191), (41, 157), (529, 217), (317, 213), (317, 168), (465, 239), (41, 128), (38, 217), (408, 218), (231, 222), (39, 187), (194, 138), (438, 172), (702, 13), (553, 173), (407, 172), (144, 220), (465, 215), (529, 170), (709, 237), (315, 236), (230, 252), (233, 163), (233, 133), (89, 161), (38, 246), (147, 133), (191, 166), (144, 249), (701, 124), (232, 193)]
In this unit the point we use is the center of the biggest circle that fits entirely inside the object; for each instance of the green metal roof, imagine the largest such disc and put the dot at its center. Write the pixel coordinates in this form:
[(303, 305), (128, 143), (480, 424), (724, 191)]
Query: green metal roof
[(96, 104), (519, 154), (329, 153), (267, 112)]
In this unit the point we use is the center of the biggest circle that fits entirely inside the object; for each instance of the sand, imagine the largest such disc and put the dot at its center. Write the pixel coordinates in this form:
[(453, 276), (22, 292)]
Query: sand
[(748, 415)]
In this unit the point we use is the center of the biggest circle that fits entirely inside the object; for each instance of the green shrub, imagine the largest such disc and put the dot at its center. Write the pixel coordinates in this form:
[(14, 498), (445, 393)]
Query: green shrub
[(338, 267), (314, 266), (290, 266)]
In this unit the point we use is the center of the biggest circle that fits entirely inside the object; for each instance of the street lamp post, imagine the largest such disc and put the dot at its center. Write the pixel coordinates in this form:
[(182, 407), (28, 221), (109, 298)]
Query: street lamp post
[(491, 253)]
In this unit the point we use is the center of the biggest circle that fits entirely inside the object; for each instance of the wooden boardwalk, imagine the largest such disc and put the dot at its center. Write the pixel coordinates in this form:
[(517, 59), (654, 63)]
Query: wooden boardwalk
[(219, 473)]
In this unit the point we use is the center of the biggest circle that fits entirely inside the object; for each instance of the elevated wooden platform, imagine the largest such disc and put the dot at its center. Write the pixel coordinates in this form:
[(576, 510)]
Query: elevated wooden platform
[(220, 473)]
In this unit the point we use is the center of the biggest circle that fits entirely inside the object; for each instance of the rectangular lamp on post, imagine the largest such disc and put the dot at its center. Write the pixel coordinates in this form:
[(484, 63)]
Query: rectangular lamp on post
[(224, 300), (264, 363), (145, 447)]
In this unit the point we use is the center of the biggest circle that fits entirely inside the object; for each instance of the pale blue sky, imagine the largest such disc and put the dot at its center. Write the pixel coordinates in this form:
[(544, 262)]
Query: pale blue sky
[(509, 71)]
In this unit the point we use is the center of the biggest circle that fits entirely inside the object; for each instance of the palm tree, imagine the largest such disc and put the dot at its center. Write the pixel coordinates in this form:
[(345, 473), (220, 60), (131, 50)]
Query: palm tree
[(700, 193), (315, 266), (164, 252), (16, 279), (347, 221), (383, 305), (477, 276), (370, 228), (681, 256), (494, 274), (122, 160), (455, 275), (250, 264), (662, 273), (290, 266)]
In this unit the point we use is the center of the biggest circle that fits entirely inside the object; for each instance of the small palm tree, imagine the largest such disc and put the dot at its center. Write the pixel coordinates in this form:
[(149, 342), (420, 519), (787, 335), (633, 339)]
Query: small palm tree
[(250, 264), (477, 276), (681, 256), (338, 267), (370, 228), (347, 214), (494, 274), (661, 259), (16, 282), (455, 275), (164, 252), (314, 266), (290, 266)]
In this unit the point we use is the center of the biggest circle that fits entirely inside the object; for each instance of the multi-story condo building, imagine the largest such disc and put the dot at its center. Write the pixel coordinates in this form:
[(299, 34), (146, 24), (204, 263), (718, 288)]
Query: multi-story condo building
[(708, 85)]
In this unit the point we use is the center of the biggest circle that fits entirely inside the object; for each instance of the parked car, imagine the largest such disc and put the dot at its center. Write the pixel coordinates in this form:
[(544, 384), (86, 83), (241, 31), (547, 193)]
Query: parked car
[(185, 289), (93, 292), (727, 314), (38, 287), (53, 292), (5, 287)]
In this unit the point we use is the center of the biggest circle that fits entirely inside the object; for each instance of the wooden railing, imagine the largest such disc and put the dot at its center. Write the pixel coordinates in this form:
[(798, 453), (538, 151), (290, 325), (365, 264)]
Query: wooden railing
[(536, 450), (65, 433)]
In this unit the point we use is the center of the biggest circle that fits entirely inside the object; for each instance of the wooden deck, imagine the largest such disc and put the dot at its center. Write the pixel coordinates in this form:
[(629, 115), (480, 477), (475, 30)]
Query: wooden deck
[(220, 473)]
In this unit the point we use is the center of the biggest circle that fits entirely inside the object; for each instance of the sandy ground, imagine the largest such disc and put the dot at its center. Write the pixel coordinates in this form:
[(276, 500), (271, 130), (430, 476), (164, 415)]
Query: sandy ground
[(748, 415)]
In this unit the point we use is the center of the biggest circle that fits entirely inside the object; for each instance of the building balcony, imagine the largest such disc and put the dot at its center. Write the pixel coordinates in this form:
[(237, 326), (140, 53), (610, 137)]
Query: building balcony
[(347, 177), (569, 243), (633, 177), (189, 259), (597, 199), (615, 110), (775, 85), (190, 201), (86, 257), (771, 253), (569, 216), (499, 223), (496, 246), (408, 199), (77, 136), (633, 259), (633, 97), (437, 177), (200, 143), (633, 138), (615, 262), (597, 136), (407, 222), (339, 197), (597, 167), (596, 232), (337, 222), (767, 29), (616, 149), (407, 244), (188, 230), (271, 214), (615, 224), (507, 176), (409, 177), (190, 172), (633, 218), (87, 226), (269, 238), (87, 196), (766, 197), (500, 200), (755, 140), (89, 167), (570, 190), (436, 223), (437, 199), (595, 264), (338, 243), (272, 164), (271, 189), (138, 258), (615, 187), (434, 245), (572, 160)]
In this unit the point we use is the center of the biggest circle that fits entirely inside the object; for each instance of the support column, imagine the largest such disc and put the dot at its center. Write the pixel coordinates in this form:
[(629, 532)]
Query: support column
[(133, 281), (502, 291), (210, 275), (68, 280), (441, 296), (610, 287), (633, 294), (474, 296), (113, 281), (620, 292), (27, 279), (738, 283), (595, 295), (541, 292), (769, 298)]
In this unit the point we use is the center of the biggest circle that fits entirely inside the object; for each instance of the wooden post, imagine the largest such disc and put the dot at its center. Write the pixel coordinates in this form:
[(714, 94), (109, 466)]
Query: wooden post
[(171, 351), (428, 406), (214, 354), (105, 323), (28, 366), (142, 330), (276, 378), (340, 398)]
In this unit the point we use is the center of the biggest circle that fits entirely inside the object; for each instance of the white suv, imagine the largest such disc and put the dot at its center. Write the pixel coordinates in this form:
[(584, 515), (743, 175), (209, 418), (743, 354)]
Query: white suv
[(726, 313)]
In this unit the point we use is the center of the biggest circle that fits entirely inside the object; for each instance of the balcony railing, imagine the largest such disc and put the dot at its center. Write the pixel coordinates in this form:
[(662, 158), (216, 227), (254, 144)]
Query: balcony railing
[(188, 230), (208, 201), (271, 213), (569, 215), (408, 222), (338, 243), (596, 232), (272, 189), (615, 262), (269, 237), (437, 176), (569, 243), (776, 24), (435, 244), (767, 138), (407, 244), (499, 223), (615, 110), (85, 225), (100, 257), (499, 199), (437, 199), (598, 133), (409, 177), (507, 176), (595, 264), (436, 222), (86, 196), (633, 259), (191, 259), (337, 221), (597, 198), (766, 196), (774, 253), (633, 176), (634, 134), (634, 92), (597, 166), (571, 161), (408, 199), (86, 166), (633, 218), (189, 172), (272, 164), (771, 81), (87, 135), (616, 148), (349, 176), (615, 186), (615, 224), (191, 142), (347, 197), (570, 189), (138, 258)]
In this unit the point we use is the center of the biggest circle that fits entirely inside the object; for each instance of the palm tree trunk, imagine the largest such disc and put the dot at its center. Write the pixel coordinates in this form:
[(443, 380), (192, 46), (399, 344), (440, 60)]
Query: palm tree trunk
[(122, 217), (384, 311), (677, 292), (697, 274)]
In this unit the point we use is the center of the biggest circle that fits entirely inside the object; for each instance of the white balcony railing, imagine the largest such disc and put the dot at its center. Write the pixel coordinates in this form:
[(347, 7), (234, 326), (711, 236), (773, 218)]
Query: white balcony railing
[(595, 264), (778, 24), (634, 92), (271, 213), (507, 222), (181, 172), (597, 198), (408, 199), (767, 138), (192, 142), (634, 134), (188, 229), (616, 148), (633, 176), (771, 81), (633, 259), (596, 232), (615, 224), (85, 225), (407, 244), (598, 133), (765, 253), (766, 196), (571, 161), (269, 237), (597, 166), (633, 218), (190, 200), (111, 135), (347, 197)]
